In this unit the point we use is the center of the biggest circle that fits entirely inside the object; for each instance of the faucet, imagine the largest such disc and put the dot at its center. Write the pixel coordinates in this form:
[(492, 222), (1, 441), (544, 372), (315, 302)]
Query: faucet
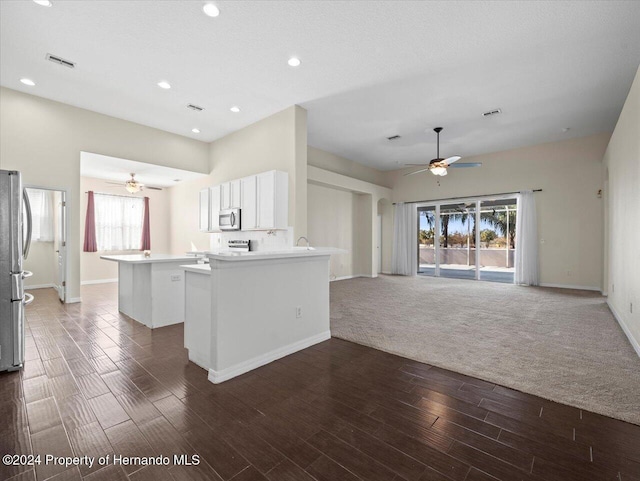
[(300, 238)]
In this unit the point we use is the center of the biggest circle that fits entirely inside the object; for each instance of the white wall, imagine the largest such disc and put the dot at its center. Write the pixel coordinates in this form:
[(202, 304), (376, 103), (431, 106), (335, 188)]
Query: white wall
[(273, 143), (334, 163), (622, 159), (93, 269), (570, 214), (43, 139), (367, 200), (332, 219)]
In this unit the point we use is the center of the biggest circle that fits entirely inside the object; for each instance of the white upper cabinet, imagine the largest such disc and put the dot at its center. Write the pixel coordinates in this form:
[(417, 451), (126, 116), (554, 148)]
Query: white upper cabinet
[(262, 198), (273, 200), (236, 194), (204, 210), (225, 196), (214, 208), (248, 204), (230, 197)]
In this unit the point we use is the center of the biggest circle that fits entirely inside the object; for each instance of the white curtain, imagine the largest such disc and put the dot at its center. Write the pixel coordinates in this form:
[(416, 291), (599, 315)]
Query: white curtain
[(405, 240), (118, 222), (42, 214), (526, 257)]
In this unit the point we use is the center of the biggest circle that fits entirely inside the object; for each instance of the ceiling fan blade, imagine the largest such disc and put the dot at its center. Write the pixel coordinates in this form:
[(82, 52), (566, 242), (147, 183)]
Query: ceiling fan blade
[(114, 183), (466, 164), (152, 188), (451, 160), (417, 165), (417, 171)]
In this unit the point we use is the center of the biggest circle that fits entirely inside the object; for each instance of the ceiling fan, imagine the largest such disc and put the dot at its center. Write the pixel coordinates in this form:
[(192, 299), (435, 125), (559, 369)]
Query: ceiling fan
[(439, 166), (133, 186)]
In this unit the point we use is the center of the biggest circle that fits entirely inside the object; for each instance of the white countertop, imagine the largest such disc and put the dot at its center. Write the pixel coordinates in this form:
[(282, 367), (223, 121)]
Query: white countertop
[(198, 268), (295, 252), (278, 254), (141, 259)]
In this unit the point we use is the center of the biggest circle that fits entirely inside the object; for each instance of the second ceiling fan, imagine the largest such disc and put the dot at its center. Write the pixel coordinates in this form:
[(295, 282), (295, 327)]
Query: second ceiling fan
[(439, 166)]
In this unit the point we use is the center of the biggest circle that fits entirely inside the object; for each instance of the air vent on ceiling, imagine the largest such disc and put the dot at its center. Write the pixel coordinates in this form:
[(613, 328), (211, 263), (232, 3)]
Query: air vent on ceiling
[(393, 137), (60, 61), (195, 107), (492, 112)]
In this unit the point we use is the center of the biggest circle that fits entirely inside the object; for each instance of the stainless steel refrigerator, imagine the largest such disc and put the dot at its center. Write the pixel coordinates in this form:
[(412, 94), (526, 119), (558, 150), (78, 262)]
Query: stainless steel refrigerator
[(15, 238)]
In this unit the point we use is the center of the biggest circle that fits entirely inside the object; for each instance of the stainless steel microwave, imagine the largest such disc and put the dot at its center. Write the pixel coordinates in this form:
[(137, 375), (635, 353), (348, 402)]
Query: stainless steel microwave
[(229, 219)]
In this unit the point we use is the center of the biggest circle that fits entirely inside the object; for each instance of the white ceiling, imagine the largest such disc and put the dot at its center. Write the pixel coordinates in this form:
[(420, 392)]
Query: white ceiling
[(370, 69), (119, 170)]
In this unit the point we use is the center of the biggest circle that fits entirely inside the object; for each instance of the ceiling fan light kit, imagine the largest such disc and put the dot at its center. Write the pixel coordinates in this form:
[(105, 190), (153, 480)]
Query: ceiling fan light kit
[(132, 185), (438, 166)]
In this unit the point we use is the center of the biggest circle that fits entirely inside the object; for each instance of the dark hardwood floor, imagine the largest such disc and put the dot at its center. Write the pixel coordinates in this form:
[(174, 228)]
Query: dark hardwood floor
[(96, 383)]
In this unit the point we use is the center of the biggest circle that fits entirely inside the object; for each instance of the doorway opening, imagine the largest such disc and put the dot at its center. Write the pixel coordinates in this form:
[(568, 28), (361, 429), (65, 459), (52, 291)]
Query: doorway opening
[(473, 239), (47, 256)]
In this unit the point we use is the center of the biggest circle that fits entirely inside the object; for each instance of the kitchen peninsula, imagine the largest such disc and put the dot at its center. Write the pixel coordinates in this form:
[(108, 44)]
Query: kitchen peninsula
[(151, 289), (245, 310)]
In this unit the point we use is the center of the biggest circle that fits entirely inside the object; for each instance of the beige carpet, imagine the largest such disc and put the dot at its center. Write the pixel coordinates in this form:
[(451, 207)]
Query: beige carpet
[(560, 344)]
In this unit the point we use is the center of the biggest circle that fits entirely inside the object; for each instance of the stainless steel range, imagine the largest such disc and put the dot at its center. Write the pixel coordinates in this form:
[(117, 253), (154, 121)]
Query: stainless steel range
[(239, 245)]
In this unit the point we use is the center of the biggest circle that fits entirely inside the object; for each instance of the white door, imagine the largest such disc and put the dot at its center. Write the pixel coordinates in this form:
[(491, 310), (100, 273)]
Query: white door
[(61, 242), (379, 244)]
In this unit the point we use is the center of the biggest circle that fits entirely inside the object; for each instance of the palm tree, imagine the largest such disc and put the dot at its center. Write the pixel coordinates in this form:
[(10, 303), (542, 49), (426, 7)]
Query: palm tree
[(499, 221)]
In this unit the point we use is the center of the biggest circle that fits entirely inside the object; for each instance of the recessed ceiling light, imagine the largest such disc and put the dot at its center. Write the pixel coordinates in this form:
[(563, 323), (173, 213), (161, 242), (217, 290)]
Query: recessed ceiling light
[(44, 3), (27, 81), (235, 109), (294, 62), (164, 85), (195, 131), (211, 10)]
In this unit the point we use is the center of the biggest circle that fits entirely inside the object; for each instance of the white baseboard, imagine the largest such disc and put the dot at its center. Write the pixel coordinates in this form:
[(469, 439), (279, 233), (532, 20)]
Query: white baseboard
[(344, 278), (625, 329), (73, 300), (217, 377), (39, 286), (569, 286), (98, 281)]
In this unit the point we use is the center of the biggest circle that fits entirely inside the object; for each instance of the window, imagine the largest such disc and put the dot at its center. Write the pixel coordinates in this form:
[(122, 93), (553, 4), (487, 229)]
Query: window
[(118, 222), (41, 214)]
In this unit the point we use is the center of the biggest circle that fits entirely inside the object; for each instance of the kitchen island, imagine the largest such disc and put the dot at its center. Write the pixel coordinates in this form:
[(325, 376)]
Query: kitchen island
[(151, 289), (244, 310)]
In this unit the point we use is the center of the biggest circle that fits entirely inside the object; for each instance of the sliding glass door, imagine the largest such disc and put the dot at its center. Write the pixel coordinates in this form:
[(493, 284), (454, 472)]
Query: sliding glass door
[(426, 241), (457, 241), (469, 239), (497, 240)]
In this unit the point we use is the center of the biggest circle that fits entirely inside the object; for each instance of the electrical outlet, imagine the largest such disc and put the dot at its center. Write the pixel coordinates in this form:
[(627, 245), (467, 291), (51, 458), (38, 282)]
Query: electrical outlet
[(175, 277), (298, 312)]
